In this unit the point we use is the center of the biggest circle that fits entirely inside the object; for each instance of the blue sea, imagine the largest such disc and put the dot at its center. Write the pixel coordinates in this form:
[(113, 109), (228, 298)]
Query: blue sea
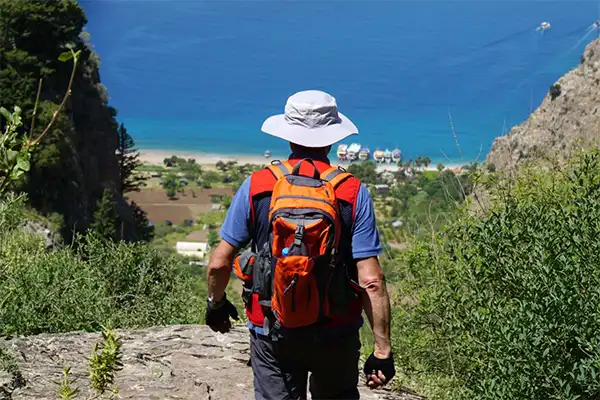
[(203, 75)]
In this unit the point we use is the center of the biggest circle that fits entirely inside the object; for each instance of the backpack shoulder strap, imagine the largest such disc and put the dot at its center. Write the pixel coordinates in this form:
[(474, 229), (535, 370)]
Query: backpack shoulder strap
[(335, 175), (280, 169)]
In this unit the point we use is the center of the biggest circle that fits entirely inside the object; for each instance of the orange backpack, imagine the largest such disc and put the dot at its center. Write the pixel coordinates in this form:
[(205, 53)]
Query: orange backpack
[(293, 271)]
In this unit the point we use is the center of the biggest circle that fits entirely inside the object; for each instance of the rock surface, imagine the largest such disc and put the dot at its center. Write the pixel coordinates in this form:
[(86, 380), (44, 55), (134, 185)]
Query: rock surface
[(560, 125), (173, 362)]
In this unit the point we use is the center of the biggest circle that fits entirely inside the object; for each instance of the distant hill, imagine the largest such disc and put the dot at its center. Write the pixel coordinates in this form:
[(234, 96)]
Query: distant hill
[(567, 119)]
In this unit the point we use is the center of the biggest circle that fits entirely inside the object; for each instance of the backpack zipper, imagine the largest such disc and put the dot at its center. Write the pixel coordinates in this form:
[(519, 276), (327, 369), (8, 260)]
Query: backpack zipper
[(292, 286)]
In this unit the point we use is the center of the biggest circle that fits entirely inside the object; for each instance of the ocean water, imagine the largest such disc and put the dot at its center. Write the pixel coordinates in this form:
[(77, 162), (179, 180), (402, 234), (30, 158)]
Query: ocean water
[(203, 75)]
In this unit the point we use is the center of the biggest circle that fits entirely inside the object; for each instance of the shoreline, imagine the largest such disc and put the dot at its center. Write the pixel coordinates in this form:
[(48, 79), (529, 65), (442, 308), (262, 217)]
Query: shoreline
[(156, 157)]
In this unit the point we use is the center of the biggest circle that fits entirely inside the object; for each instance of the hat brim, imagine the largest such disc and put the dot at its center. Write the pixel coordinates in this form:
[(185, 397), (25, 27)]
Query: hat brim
[(277, 126)]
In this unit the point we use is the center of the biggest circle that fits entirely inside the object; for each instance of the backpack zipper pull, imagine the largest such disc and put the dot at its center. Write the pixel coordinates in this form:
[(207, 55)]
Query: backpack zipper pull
[(292, 283)]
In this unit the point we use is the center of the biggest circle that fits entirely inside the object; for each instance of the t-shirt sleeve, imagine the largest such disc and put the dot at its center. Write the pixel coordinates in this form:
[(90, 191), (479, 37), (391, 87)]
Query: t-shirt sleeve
[(235, 229), (365, 237)]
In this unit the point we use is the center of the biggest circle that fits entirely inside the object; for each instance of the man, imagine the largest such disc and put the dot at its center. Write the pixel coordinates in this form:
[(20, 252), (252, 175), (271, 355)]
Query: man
[(330, 350)]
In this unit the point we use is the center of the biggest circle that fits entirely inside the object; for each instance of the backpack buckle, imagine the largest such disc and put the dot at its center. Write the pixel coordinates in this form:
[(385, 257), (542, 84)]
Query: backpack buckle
[(298, 236), (299, 233)]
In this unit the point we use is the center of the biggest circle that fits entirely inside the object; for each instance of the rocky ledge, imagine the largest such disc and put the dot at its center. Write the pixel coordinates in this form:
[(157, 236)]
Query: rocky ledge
[(568, 119), (172, 362)]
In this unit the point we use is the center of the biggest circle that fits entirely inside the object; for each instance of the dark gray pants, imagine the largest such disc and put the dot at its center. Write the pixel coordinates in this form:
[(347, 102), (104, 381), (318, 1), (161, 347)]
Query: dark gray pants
[(281, 368)]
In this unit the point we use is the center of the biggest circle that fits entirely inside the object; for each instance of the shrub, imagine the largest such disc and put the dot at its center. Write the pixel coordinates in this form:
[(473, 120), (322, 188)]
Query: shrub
[(507, 306), (91, 283)]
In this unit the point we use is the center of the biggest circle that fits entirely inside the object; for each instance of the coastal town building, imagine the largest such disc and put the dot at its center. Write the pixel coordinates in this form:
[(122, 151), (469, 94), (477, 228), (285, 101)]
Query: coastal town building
[(382, 190), (197, 250)]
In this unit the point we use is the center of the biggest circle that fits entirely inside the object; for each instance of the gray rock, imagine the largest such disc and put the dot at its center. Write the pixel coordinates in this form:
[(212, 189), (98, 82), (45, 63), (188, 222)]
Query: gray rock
[(560, 125), (173, 362), (51, 239)]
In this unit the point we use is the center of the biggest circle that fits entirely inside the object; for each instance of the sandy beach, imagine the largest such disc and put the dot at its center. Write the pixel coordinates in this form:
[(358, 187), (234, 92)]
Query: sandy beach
[(154, 157), (157, 157)]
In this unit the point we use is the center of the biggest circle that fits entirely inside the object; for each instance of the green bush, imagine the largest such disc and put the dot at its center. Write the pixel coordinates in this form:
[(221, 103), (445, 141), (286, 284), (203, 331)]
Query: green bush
[(507, 306), (92, 283)]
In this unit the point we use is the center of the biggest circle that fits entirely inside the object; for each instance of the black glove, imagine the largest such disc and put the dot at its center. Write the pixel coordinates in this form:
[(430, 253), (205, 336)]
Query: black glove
[(386, 366), (217, 315)]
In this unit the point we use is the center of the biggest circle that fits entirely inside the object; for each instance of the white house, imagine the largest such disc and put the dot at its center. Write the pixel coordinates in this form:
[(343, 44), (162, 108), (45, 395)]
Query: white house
[(193, 249)]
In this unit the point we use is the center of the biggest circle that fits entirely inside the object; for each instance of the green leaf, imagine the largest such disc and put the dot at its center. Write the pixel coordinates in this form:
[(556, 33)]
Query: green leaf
[(11, 155), (6, 113), (66, 56), (17, 174), (23, 161)]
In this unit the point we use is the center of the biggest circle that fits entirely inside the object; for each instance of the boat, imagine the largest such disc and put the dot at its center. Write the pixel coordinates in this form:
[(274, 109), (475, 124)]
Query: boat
[(543, 26), (364, 153), (342, 152), (387, 156), (396, 155), (353, 150), (378, 156), (267, 154)]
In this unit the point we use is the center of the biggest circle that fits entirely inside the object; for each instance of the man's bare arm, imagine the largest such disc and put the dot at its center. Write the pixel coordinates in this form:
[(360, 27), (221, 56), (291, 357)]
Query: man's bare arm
[(219, 269), (376, 304)]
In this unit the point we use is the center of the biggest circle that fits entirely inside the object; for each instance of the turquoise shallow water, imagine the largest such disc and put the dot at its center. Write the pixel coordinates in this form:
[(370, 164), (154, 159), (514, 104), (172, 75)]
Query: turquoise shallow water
[(203, 75)]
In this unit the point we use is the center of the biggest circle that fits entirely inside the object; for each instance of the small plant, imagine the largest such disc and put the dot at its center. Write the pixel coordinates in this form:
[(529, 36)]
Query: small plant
[(9, 365), (555, 91), (66, 391), (105, 363), (16, 146)]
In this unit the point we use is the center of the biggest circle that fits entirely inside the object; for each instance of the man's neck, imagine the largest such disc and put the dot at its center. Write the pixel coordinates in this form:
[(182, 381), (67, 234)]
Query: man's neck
[(315, 157)]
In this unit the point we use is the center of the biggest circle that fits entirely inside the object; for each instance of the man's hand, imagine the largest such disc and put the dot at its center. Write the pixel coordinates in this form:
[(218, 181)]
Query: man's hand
[(376, 304), (219, 309), (379, 371), (217, 315)]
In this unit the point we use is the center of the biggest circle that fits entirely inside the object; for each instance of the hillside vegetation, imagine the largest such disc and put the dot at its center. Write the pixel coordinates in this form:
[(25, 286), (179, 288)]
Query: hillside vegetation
[(506, 306), (93, 282)]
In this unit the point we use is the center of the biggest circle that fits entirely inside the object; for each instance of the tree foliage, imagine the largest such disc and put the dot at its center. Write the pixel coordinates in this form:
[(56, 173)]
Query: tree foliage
[(128, 159), (366, 172), (75, 157), (105, 217)]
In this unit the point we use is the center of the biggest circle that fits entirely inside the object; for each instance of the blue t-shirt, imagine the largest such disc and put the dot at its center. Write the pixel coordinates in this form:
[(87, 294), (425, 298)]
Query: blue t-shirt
[(365, 238)]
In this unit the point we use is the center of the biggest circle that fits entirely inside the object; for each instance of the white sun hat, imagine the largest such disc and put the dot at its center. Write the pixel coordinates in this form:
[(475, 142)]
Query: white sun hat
[(311, 119)]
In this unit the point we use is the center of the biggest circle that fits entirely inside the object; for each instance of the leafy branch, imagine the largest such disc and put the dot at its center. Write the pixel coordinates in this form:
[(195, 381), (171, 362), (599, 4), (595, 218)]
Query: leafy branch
[(16, 147), (105, 363)]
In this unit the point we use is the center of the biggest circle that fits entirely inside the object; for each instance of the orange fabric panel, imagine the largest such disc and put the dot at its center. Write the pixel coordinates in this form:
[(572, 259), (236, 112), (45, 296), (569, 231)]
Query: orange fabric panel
[(315, 234), (237, 269), (296, 299)]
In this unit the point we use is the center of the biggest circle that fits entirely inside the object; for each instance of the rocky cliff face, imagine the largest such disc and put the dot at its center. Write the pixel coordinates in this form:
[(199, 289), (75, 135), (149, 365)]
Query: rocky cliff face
[(174, 362), (567, 119)]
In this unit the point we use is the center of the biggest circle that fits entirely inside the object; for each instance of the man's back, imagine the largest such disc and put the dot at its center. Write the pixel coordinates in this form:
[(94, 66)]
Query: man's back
[(248, 222)]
